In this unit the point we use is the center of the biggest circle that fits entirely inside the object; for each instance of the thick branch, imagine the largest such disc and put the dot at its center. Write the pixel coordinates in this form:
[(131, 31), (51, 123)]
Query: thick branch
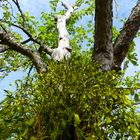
[(64, 50), (3, 49), (127, 35), (47, 50), (6, 39), (31, 38)]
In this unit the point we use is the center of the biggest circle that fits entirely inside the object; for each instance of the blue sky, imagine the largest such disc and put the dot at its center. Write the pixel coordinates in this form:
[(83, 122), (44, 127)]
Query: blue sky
[(35, 7)]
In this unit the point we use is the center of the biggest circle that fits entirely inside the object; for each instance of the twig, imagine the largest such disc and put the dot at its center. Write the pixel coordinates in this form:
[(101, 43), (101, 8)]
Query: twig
[(19, 8), (26, 41), (31, 38), (3, 28), (28, 75), (25, 31)]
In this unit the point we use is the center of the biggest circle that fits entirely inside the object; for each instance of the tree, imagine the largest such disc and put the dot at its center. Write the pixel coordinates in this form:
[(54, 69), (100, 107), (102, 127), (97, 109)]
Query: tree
[(103, 36), (72, 96)]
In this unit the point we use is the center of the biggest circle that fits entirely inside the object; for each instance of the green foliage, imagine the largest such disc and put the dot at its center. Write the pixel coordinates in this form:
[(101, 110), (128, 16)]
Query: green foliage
[(70, 93), (44, 30), (115, 33)]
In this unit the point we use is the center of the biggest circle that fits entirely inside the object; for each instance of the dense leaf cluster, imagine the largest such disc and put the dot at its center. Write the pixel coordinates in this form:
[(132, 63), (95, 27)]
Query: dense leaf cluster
[(72, 95)]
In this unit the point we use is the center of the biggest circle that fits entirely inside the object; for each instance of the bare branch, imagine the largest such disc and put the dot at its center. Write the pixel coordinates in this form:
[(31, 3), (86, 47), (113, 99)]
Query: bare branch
[(31, 38), (35, 57), (26, 41), (127, 34), (30, 70), (19, 8), (3, 28), (24, 30), (65, 4), (63, 51), (27, 33)]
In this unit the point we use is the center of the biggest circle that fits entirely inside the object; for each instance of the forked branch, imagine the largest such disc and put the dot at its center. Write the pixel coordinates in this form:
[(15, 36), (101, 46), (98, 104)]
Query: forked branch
[(35, 57), (63, 51)]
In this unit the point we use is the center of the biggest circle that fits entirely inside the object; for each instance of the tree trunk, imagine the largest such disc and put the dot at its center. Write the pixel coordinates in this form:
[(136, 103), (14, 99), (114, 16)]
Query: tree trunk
[(103, 48)]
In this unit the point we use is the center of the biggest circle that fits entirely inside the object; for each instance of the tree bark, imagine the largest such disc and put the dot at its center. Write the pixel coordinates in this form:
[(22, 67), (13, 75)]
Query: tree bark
[(63, 51), (103, 48), (127, 34), (35, 57)]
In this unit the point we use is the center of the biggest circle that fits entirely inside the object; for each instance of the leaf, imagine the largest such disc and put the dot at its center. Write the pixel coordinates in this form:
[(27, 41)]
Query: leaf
[(30, 122), (114, 96), (32, 138), (25, 132), (108, 120), (76, 119), (136, 97), (63, 123)]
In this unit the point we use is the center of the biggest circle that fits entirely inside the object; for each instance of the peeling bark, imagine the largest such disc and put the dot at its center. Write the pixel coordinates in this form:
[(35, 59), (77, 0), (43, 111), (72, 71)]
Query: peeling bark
[(103, 48), (63, 51), (127, 34)]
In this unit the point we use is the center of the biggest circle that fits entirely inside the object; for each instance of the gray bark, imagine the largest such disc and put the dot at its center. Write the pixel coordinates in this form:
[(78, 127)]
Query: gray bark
[(103, 48), (35, 57), (127, 34)]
